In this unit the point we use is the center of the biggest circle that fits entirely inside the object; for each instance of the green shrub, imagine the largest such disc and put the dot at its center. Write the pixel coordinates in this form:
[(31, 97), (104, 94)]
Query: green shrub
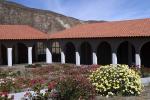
[(38, 65), (33, 66), (112, 80)]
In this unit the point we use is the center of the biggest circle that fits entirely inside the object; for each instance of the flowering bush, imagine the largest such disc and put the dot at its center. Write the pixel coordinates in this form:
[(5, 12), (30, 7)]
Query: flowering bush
[(37, 84), (51, 85), (6, 85), (75, 87), (50, 93), (7, 81), (4, 96), (112, 80), (85, 70)]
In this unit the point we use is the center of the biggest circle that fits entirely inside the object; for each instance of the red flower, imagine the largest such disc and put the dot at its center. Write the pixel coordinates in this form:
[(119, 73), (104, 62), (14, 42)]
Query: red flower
[(36, 81), (52, 85), (4, 94)]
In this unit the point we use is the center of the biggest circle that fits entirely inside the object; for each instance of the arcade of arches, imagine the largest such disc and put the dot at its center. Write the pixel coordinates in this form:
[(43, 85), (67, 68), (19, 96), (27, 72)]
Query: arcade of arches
[(20, 53), (85, 54), (103, 55)]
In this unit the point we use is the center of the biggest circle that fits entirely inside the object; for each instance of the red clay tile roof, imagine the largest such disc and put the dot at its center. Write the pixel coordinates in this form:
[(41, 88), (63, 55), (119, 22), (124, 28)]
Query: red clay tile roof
[(128, 28), (20, 32)]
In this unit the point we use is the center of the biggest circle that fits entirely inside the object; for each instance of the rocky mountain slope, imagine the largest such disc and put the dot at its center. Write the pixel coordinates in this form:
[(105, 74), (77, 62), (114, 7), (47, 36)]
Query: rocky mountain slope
[(46, 21)]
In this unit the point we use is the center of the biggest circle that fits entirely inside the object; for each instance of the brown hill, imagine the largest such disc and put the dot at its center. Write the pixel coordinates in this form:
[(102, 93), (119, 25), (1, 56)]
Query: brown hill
[(46, 21)]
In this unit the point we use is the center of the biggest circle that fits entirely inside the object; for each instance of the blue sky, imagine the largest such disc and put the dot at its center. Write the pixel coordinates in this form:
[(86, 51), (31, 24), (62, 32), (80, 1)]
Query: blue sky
[(94, 9)]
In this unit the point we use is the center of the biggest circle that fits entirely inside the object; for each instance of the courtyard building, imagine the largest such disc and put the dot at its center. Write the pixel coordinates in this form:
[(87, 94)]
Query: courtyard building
[(117, 42), (19, 43)]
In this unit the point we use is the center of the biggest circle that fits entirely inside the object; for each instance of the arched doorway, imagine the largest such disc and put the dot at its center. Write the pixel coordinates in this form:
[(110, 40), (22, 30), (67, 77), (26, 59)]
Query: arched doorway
[(3, 55), (104, 54), (22, 53), (86, 53), (145, 55), (70, 53), (126, 53)]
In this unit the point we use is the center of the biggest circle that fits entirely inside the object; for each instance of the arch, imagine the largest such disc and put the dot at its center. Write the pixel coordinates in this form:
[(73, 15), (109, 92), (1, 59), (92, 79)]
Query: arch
[(70, 53), (86, 53), (145, 54), (22, 53), (104, 54), (126, 53), (3, 55)]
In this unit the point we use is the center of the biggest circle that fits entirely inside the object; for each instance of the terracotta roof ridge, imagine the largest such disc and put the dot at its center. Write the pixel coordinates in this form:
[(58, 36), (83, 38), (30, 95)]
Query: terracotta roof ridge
[(107, 22), (20, 32), (125, 28)]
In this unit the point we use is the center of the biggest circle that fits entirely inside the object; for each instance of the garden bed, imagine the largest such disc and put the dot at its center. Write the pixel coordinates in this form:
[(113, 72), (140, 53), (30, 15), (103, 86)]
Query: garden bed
[(144, 96), (26, 77)]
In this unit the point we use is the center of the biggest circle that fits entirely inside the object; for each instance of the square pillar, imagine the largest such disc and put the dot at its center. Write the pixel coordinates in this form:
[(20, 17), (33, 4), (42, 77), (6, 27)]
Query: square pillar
[(77, 58), (29, 55), (62, 57), (48, 56), (16, 54), (9, 56), (94, 58), (138, 60), (0, 54), (114, 58), (130, 54)]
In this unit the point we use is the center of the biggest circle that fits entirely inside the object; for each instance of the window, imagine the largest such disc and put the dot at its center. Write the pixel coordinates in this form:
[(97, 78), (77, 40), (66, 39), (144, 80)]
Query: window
[(41, 51), (56, 52), (56, 48), (41, 48)]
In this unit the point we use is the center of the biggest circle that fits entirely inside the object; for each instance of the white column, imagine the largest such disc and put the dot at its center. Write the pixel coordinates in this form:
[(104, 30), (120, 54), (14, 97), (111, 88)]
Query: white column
[(77, 59), (48, 56), (62, 57), (114, 58), (138, 60), (29, 55), (94, 58), (9, 56)]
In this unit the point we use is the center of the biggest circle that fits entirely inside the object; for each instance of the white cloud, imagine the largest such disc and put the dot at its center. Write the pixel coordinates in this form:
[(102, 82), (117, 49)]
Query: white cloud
[(95, 9), (87, 9)]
